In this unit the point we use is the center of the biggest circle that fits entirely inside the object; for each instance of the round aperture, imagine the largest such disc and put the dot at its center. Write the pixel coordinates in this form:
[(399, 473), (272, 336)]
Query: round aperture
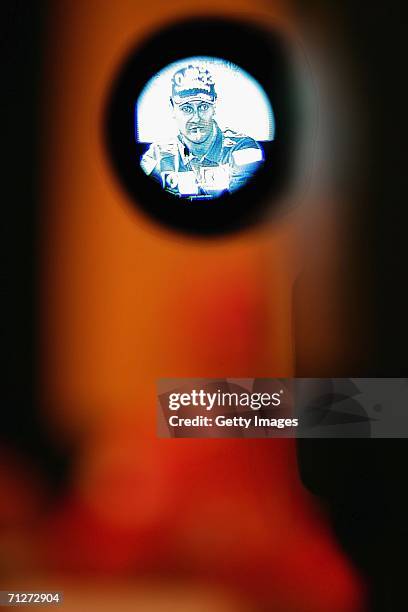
[(203, 121), (202, 140)]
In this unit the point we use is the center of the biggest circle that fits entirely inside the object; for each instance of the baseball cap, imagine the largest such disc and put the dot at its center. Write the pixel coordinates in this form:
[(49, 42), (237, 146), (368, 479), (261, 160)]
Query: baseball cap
[(192, 83)]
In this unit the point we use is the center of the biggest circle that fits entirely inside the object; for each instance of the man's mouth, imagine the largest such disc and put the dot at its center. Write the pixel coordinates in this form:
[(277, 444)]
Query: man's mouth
[(195, 129)]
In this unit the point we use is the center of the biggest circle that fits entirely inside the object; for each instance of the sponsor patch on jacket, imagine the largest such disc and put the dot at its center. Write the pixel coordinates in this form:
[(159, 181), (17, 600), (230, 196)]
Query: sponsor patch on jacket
[(249, 155)]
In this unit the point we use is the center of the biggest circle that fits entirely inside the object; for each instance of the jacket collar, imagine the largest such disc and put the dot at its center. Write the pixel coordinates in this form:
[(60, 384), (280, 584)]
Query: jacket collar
[(213, 152)]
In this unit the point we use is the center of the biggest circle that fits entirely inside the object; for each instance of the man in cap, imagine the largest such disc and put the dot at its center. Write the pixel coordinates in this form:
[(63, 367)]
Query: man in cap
[(202, 161)]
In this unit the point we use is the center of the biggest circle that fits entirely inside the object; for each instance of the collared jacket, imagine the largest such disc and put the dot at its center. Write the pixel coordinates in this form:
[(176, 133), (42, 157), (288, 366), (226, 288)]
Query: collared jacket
[(231, 160)]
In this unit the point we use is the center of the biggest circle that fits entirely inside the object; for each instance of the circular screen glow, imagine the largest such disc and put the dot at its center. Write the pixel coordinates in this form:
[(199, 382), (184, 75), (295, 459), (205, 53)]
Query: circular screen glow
[(203, 122)]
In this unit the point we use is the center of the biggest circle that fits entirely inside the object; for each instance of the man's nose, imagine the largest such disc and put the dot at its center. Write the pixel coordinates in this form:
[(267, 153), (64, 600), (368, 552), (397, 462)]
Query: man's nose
[(196, 115)]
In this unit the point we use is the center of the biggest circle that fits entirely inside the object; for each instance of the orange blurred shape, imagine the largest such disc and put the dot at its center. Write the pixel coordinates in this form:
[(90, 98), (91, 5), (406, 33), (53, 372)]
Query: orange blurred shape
[(124, 303), (184, 513)]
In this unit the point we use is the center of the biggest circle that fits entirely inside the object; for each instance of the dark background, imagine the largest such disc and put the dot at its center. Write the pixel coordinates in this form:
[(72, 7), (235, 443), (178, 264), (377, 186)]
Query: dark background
[(22, 26), (363, 481)]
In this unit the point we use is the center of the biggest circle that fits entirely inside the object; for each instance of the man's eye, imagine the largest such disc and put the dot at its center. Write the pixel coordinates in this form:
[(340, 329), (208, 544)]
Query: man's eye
[(187, 109), (204, 107)]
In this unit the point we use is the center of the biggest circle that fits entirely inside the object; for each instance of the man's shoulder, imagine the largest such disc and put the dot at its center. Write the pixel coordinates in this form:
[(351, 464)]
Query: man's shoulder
[(237, 139), (244, 149)]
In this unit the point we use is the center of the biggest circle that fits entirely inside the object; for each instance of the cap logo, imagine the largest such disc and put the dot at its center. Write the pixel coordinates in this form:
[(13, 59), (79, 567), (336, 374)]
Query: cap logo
[(193, 80)]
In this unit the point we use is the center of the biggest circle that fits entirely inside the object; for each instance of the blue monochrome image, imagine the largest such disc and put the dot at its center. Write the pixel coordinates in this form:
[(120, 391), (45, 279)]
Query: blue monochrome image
[(203, 121)]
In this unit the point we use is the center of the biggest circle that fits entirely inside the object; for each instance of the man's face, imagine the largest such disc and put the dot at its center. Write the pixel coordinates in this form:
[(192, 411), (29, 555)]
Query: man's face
[(195, 120)]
